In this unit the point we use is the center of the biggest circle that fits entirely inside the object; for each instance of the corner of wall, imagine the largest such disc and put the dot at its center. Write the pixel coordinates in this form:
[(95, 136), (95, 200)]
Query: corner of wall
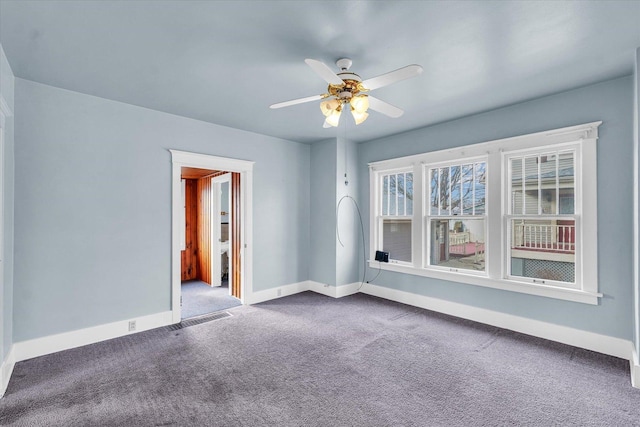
[(7, 81), (634, 364), (6, 369)]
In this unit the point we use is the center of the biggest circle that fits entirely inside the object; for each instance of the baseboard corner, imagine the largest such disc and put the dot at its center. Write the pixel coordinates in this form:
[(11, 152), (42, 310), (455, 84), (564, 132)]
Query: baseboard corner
[(635, 369), (6, 369), (334, 291)]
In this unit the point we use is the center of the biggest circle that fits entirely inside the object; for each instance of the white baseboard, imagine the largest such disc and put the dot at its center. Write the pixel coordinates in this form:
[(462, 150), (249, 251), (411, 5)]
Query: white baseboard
[(334, 291), (6, 369), (635, 369), (24, 350), (307, 285), (279, 292), (53, 343), (588, 340)]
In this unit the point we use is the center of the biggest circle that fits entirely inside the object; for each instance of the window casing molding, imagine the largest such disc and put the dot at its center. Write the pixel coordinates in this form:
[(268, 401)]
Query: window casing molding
[(581, 138)]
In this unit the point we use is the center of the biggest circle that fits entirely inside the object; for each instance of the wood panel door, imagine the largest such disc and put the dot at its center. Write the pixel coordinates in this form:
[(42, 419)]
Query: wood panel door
[(189, 256)]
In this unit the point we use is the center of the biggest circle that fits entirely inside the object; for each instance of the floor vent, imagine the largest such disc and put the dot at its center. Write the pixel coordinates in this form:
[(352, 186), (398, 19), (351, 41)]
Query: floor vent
[(198, 320)]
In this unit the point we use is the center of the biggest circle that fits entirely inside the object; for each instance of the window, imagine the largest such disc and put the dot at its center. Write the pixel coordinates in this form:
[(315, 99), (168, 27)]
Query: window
[(507, 214), (456, 216), (396, 210), (541, 222)]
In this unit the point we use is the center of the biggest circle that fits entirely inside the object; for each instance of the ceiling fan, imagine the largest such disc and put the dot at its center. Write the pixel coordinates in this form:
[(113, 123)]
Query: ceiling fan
[(348, 89)]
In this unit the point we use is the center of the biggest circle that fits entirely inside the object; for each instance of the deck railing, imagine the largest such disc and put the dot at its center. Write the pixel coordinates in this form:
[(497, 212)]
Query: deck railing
[(544, 237)]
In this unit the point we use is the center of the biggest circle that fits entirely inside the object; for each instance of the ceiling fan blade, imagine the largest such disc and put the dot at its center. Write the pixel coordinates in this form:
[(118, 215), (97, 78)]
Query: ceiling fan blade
[(384, 107), (392, 77), (297, 101), (324, 71)]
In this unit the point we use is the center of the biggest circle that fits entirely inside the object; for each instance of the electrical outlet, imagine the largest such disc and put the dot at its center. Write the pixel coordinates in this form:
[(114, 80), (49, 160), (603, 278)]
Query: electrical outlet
[(279, 292), (132, 325)]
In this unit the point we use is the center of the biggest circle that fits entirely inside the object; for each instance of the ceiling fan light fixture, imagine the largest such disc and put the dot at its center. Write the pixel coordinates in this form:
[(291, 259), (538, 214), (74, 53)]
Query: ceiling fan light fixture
[(347, 87), (359, 117), (360, 103), (330, 106), (333, 119)]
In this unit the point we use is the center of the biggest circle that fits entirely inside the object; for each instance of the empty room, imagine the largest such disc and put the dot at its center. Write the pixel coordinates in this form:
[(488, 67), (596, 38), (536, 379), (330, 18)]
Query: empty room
[(319, 213)]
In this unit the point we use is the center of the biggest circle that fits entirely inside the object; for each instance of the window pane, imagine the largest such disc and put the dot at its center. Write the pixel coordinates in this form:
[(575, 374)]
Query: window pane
[(467, 189), (434, 192), (392, 195), (531, 185), (516, 186), (457, 243), (396, 239), (444, 191), (385, 195), (566, 180), (548, 184), (543, 250), (409, 193), (401, 195), (480, 184), (455, 189)]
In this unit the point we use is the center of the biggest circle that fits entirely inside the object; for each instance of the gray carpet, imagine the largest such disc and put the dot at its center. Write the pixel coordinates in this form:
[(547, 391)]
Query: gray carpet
[(198, 298), (310, 360)]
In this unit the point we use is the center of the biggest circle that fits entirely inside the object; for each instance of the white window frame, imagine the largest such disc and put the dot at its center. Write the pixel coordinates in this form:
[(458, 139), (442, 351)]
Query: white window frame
[(583, 136), (428, 217), (576, 148), (380, 217)]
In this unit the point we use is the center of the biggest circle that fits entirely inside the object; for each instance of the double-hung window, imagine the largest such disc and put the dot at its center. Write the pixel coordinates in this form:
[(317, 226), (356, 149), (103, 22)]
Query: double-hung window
[(542, 227), (395, 215), (456, 216), (518, 214)]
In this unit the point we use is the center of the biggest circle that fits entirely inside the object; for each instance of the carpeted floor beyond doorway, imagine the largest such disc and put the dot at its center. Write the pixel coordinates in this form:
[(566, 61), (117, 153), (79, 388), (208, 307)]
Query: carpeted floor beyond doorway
[(310, 360), (198, 298)]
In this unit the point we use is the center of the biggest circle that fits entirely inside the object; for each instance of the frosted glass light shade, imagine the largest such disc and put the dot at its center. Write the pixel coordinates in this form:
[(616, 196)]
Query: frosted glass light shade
[(333, 119), (360, 103), (328, 107), (359, 117)]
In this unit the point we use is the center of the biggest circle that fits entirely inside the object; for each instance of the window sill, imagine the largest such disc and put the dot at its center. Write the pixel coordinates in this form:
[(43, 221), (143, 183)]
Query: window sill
[(567, 294)]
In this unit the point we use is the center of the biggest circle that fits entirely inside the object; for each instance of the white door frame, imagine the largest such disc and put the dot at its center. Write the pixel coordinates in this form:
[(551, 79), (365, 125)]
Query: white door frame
[(182, 159)]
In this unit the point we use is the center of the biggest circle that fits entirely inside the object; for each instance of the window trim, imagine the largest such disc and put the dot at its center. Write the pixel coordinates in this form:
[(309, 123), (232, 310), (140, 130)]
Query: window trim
[(378, 218), (427, 216), (576, 148), (584, 136)]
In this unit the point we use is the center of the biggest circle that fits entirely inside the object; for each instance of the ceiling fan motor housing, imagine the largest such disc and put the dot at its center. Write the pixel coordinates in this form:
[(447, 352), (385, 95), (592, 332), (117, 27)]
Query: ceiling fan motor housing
[(352, 85)]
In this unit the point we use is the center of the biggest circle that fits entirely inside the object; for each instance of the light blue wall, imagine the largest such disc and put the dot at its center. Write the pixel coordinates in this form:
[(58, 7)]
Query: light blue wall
[(610, 102), (6, 287), (322, 265), (349, 259), (93, 223)]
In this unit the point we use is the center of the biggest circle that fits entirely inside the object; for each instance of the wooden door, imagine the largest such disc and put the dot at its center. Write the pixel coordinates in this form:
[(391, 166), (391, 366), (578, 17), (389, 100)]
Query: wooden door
[(189, 256)]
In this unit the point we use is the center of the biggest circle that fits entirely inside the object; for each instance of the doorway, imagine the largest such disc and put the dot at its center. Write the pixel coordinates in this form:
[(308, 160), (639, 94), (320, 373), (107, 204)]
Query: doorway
[(210, 249), (206, 242)]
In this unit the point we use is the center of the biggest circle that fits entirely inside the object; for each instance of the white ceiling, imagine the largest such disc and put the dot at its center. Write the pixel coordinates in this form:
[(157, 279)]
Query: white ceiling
[(225, 62)]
